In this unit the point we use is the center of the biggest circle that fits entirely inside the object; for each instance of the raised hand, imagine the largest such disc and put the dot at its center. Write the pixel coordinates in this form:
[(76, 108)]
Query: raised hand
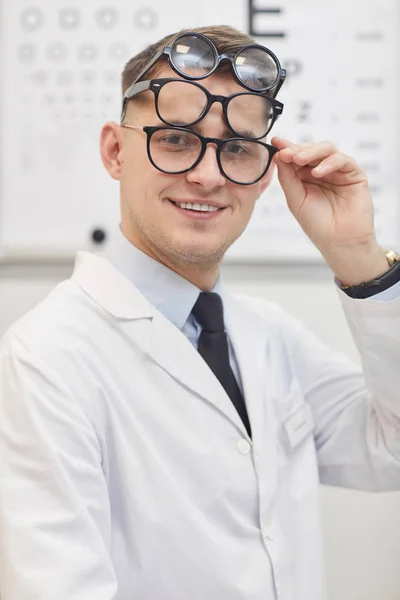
[(328, 194)]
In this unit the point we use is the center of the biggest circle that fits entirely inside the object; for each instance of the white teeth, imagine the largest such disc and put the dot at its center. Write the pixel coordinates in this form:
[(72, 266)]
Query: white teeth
[(199, 207)]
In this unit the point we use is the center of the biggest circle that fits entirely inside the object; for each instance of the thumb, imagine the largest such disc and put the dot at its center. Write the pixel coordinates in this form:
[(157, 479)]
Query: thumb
[(291, 184)]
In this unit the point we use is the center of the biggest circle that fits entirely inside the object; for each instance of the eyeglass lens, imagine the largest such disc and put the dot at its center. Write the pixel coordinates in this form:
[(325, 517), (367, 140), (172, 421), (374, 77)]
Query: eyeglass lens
[(176, 151), (182, 103), (256, 68), (195, 57)]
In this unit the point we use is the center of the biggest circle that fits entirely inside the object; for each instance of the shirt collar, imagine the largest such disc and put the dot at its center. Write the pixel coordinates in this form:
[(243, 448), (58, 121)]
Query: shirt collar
[(173, 295)]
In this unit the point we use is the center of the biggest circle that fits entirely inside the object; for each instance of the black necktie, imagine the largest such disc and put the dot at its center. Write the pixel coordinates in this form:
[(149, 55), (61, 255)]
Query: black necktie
[(213, 347)]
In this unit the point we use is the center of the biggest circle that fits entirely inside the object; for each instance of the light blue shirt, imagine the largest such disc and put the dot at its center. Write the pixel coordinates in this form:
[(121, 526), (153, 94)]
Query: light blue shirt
[(173, 295)]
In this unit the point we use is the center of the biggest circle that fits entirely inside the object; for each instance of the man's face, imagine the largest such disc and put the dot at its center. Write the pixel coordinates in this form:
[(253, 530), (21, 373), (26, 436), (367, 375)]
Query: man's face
[(150, 216)]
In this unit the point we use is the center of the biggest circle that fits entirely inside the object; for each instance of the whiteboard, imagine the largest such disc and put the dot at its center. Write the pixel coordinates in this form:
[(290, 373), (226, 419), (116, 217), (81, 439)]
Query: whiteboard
[(61, 63)]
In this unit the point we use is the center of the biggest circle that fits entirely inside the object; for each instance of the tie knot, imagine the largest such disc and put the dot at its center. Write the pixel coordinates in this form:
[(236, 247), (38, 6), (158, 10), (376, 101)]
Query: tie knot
[(208, 312)]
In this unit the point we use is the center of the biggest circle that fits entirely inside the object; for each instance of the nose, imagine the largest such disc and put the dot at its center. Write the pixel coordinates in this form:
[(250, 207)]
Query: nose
[(207, 173)]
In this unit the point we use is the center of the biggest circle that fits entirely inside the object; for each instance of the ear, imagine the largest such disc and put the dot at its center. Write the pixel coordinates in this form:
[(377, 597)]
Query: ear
[(110, 149), (266, 180)]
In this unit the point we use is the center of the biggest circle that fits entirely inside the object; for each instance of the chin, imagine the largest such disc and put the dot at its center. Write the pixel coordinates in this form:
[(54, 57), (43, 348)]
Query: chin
[(200, 254)]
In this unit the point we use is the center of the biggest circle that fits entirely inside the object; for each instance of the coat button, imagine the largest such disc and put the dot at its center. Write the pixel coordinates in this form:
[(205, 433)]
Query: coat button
[(243, 446), (267, 528)]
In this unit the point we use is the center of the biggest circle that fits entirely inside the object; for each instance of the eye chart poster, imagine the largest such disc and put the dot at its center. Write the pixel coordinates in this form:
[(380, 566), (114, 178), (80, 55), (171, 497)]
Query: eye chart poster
[(61, 63)]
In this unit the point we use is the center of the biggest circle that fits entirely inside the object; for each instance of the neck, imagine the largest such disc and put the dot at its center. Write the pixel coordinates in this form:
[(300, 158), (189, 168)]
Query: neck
[(204, 279)]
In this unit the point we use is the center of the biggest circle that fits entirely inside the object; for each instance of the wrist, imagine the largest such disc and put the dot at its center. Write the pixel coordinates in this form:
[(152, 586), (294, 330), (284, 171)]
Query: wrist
[(360, 265), (379, 284)]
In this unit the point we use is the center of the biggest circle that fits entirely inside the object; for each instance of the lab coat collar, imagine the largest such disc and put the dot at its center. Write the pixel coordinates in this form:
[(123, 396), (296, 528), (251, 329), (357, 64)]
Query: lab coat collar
[(173, 295), (100, 280)]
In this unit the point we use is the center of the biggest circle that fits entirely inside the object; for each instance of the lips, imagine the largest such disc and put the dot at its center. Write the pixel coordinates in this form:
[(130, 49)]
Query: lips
[(196, 214), (198, 202), (202, 208)]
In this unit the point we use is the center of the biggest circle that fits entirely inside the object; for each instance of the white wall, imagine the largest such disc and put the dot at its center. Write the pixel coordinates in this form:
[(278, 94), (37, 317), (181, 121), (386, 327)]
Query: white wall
[(362, 530)]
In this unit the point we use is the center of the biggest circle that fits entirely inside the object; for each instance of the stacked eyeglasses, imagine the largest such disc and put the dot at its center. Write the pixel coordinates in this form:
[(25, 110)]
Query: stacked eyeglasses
[(182, 102)]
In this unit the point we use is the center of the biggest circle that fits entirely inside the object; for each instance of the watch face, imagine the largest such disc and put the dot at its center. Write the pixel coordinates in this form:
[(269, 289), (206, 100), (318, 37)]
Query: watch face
[(392, 257)]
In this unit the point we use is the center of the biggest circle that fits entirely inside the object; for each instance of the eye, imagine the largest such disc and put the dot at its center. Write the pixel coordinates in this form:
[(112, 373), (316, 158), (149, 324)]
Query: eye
[(173, 140), (236, 147), (176, 140)]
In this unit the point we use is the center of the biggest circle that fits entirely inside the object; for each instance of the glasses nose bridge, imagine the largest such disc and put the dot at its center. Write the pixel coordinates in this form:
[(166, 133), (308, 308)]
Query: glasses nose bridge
[(213, 98), (206, 142), (224, 58), (214, 141), (217, 143)]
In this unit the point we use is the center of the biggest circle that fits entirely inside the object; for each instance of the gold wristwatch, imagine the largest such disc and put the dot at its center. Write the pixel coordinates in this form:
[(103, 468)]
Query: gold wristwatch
[(380, 284), (392, 257)]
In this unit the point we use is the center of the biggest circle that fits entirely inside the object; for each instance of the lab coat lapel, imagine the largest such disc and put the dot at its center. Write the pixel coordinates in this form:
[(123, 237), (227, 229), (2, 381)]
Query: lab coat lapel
[(165, 344), (250, 341), (173, 352)]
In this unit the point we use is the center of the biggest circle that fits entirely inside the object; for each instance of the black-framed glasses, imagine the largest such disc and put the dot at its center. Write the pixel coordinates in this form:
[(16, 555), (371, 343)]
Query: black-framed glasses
[(178, 150), (194, 56), (185, 103)]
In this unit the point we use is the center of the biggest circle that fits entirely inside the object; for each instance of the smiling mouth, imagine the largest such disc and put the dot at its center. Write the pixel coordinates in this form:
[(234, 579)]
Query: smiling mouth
[(196, 207)]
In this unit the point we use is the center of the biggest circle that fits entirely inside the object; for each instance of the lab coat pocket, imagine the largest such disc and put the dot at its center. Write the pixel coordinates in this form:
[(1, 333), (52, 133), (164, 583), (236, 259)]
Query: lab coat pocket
[(296, 447)]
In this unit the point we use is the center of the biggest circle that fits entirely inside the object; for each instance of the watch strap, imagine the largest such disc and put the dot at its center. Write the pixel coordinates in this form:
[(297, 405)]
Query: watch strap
[(380, 284)]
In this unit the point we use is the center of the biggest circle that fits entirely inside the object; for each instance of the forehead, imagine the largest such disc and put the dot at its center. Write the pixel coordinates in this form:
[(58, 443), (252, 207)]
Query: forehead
[(218, 83)]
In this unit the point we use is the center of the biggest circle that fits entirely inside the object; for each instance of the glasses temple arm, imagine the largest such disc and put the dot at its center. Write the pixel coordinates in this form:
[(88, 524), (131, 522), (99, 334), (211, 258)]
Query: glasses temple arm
[(131, 92), (282, 77), (150, 64)]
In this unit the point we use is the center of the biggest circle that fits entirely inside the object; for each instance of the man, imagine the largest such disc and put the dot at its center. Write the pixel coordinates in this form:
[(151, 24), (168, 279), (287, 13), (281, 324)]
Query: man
[(145, 454)]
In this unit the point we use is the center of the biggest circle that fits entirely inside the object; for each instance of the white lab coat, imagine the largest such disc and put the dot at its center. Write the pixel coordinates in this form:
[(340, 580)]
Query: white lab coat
[(126, 473)]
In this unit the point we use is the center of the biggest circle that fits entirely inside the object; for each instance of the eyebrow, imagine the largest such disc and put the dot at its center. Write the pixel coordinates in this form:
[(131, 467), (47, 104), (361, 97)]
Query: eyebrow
[(246, 134), (227, 133)]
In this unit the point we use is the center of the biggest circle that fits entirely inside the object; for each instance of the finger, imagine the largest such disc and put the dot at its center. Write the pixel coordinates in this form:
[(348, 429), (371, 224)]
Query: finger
[(287, 149), (314, 154), (291, 185), (282, 143), (287, 156), (336, 162)]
